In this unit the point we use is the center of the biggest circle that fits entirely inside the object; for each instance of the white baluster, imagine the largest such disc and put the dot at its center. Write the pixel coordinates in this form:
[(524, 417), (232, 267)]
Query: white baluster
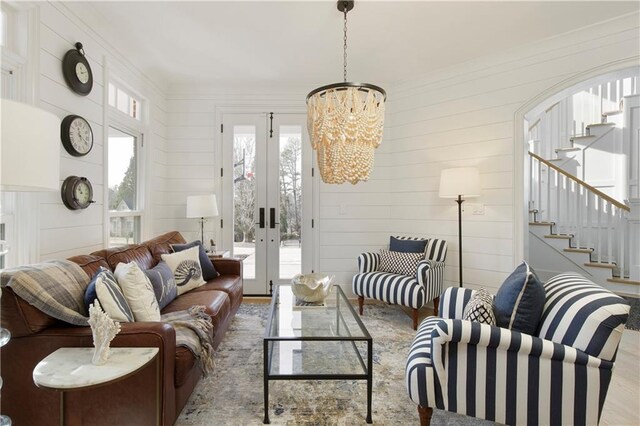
[(531, 180), (622, 240), (579, 206), (539, 192), (599, 229), (610, 231), (547, 208), (588, 232), (558, 184), (567, 203)]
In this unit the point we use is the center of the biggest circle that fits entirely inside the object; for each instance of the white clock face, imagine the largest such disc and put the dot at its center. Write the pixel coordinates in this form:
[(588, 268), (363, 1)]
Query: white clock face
[(81, 136), (82, 193), (82, 73)]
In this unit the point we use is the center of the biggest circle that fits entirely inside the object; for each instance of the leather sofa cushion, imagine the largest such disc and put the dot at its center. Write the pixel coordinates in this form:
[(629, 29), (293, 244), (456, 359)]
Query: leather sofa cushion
[(230, 284), (89, 263), (131, 253), (162, 244)]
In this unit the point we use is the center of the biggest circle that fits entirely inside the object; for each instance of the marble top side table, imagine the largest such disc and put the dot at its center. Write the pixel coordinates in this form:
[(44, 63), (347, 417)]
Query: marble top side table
[(69, 369)]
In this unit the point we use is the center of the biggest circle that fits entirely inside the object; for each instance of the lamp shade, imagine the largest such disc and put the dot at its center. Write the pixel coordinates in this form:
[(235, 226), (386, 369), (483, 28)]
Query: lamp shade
[(464, 181), (30, 148), (202, 206)]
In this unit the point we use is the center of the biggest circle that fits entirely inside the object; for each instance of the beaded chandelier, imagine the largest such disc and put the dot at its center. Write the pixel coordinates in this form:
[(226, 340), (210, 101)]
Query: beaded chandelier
[(345, 122)]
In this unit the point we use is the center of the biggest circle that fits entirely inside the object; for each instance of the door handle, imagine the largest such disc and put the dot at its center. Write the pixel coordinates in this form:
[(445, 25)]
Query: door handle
[(261, 223), (272, 218)]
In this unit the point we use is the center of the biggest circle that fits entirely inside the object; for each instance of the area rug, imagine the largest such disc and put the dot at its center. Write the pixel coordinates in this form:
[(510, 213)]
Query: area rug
[(633, 322), (232, 394)]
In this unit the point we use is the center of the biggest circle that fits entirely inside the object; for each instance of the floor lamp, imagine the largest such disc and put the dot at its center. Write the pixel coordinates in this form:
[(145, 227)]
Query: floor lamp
[(202, 207), (29, 162), (460, 183)]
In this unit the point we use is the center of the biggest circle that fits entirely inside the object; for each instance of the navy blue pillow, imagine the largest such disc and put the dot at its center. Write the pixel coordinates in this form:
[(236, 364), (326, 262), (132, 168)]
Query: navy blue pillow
[(90, 294), (407, 246), (208, 270), (520, 300), (163, 282)]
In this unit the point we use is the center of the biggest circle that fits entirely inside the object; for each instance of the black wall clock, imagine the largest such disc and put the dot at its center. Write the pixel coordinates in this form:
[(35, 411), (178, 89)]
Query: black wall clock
[(77, 193), (76, 135), (77, 72)]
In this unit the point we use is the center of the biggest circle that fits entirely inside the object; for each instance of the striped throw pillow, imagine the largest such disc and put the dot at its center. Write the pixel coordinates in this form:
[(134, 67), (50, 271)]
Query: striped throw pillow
[(396, 262), (111, 297)]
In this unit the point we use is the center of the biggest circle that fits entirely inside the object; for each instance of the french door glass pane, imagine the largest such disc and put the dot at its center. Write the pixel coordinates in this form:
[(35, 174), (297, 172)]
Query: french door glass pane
[(290, 192), (244, 197), (123, 175)]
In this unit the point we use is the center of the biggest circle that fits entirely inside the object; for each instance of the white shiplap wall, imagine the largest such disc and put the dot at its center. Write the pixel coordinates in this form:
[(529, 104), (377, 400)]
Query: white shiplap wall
[(464, 116), (192, 168), (64, 233)]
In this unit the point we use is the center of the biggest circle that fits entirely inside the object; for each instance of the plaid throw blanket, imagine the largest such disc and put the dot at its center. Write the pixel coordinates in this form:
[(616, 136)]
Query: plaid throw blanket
[(55, 287), (194, 331)]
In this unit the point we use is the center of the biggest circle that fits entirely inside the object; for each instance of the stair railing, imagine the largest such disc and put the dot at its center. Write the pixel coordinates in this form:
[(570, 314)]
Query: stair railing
[(594, 219)]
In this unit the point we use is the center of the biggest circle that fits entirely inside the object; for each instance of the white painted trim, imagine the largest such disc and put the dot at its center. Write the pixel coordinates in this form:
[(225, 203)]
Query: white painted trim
[(520, 162)]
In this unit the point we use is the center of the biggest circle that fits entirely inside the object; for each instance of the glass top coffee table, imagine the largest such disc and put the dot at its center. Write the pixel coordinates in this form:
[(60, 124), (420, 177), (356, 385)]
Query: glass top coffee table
[(327, 342)]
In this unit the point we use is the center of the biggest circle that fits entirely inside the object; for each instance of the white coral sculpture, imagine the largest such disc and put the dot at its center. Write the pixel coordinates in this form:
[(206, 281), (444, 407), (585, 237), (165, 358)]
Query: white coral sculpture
[(104, 329)]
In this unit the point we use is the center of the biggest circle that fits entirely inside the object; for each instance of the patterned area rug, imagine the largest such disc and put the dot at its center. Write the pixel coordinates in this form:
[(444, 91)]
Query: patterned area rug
[(232, 395), (633, 323)]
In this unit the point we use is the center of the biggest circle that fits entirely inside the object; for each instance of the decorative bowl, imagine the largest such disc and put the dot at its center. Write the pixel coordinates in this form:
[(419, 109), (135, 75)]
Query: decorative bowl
[(311, 287)]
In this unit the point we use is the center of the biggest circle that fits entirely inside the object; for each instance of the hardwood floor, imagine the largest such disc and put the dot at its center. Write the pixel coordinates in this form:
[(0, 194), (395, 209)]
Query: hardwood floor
[(622, 406)]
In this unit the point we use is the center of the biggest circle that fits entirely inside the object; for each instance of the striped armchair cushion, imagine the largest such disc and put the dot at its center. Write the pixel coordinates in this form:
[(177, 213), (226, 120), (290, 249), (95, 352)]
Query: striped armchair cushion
[(390, 288), (583, 315)]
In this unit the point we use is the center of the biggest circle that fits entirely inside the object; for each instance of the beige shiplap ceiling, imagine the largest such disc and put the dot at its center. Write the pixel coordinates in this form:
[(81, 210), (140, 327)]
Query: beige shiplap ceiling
[(299, 43)]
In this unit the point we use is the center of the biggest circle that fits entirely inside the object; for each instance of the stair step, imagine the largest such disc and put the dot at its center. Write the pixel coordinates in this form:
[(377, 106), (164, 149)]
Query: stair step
[(557, 150), (533, 211), (578, 250), (541, 223), (556, 159), (600, 265), (559, 237), (579, 138), (615, 112), (600, 125), (623, 281)]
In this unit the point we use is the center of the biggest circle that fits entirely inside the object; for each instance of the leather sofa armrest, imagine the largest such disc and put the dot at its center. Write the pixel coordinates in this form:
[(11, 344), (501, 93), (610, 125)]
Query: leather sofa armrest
[(228, 266)]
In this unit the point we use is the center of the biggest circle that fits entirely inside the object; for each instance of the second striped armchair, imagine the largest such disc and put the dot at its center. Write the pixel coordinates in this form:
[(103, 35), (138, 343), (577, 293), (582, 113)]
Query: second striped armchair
[(411, 291)]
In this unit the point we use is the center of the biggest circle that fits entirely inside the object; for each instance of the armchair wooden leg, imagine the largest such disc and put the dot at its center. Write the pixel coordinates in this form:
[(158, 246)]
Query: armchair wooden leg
[(425, 415), (360, 303), (436, 302), (415, 319)]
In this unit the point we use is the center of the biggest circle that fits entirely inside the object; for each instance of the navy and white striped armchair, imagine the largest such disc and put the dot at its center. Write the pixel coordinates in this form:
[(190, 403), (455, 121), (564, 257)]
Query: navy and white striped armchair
[(410, 291), (559, 377)]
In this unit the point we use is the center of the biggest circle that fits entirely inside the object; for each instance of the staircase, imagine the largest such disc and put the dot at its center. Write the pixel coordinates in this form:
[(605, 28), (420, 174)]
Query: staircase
[(576, 221)]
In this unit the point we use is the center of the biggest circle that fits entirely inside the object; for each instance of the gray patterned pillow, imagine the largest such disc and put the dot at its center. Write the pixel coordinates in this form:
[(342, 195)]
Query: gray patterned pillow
[(396, 262), (480, 308)]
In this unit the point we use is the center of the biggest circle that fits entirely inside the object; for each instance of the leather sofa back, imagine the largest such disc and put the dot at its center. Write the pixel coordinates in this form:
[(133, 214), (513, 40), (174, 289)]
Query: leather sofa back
[(22, 319)]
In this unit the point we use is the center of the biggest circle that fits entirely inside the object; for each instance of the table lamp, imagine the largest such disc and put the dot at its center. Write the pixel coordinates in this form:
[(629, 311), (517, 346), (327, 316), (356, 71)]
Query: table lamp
[(202, 207)]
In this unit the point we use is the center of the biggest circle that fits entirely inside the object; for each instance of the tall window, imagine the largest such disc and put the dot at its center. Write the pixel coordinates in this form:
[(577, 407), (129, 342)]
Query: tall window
[(124, 201)]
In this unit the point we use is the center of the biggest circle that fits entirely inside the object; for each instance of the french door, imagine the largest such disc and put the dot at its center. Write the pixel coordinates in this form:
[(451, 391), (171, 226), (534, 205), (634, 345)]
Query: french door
[(268, 197)]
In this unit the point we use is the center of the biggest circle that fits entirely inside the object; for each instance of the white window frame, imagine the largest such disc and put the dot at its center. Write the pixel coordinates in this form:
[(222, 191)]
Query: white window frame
[(137, 127), (139, 212)]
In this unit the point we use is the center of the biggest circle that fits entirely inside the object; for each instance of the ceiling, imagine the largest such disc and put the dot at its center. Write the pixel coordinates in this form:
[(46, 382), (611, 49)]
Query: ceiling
[(299, 43)]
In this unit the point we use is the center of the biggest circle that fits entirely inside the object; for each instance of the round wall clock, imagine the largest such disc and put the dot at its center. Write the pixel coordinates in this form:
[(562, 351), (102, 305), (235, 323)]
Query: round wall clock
[(77, 193), (76, 135), (76, 70)]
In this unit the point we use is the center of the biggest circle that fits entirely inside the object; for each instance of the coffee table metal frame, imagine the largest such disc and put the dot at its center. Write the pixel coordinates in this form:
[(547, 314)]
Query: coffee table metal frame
[(367, 368)]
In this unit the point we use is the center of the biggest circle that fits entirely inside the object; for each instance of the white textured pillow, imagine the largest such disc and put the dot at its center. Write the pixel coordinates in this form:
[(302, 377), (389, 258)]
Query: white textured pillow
[(111, 297), (186, 269), (138, 290)]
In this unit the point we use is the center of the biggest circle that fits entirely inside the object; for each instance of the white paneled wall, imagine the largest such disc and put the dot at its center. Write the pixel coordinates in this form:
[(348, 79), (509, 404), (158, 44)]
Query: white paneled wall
[(63, 232), (464, 116), (352, 219)]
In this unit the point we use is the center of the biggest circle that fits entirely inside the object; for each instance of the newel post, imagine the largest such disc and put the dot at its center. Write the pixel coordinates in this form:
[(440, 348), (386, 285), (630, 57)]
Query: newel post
[(634, 239)]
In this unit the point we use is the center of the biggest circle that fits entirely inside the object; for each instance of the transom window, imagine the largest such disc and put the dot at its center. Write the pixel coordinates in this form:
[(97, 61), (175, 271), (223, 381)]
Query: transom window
[(124, 101)]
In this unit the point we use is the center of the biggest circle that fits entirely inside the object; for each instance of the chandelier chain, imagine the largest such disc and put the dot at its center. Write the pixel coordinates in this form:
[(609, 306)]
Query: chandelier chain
[(345, 43)]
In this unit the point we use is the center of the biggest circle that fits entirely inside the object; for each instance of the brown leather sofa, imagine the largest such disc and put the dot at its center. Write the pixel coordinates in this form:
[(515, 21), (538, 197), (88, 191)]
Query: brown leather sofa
[(134, 400)]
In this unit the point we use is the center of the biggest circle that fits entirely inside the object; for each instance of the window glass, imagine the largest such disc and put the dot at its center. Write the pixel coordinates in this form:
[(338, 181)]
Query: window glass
[(123, 197), (122, 101), (112, 95)]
